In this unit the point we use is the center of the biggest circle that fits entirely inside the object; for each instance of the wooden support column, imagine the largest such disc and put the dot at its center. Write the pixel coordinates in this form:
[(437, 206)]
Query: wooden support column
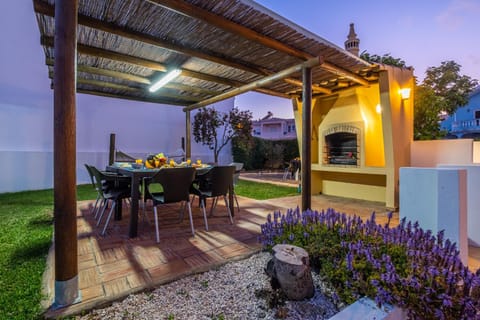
[(111, 149), (64, 154), (188, 135), (307, 139)]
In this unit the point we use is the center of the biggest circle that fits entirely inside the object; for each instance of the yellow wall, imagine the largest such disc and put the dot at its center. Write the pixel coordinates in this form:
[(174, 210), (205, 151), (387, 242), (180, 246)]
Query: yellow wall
[(356, 107), (354, 190), (368, 99), (386, 137), (397, 116)]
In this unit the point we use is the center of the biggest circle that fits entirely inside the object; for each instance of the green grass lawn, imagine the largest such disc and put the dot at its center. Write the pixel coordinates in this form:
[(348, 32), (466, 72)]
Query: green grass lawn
[(25, 237), (26, 225), (263, 191)]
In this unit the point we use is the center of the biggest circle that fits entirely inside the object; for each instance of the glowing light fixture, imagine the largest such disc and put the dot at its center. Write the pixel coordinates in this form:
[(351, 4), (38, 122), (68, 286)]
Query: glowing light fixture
[(405, 93), (163, 81), (378, 108)]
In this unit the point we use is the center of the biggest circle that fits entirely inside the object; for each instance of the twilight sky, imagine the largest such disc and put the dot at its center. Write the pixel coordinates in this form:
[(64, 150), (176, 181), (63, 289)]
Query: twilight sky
[(422, 32)]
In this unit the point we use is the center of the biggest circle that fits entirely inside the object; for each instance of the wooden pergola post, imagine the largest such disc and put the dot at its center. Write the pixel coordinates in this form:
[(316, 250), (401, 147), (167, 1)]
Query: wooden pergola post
[(64, 154), (111, 149), (306, 139), (188, 135)]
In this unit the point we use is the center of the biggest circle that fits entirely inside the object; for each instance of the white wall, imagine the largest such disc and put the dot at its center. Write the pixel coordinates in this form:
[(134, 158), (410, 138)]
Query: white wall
[(433, 152), (26, 144)]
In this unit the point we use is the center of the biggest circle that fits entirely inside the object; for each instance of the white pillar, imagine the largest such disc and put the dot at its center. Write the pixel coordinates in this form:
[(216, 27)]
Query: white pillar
[(473, 201), (437, 199)]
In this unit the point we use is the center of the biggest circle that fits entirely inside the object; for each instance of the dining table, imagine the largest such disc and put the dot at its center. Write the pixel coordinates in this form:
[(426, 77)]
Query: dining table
[(137, 175)]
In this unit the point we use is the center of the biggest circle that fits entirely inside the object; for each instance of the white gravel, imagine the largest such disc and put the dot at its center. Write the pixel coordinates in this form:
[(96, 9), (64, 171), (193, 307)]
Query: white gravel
[(236, 290)]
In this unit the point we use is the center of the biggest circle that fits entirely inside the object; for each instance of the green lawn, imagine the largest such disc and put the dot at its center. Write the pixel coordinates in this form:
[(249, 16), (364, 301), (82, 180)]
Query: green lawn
[(262, 191), (26, 235)]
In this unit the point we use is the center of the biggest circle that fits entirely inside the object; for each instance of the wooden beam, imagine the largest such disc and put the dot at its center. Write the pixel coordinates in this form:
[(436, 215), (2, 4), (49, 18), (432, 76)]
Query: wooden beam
[(315, 88), (133, 98), (256, 84), (64, 155), (153, 65), (113, 74), (240, 30), (138, 79), (195, 12), (116, 86), (225, 24), (344, 73), (107, 73), (48, 10), (184, 87), (115, 56)]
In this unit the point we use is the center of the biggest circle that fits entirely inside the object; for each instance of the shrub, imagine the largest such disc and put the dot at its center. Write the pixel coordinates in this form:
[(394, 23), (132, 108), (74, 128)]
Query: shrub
[(264, 154), (405, 265)]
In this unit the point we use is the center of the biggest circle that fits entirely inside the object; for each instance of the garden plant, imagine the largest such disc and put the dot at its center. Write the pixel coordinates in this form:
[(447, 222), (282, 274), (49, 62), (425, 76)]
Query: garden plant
[(404, 265)]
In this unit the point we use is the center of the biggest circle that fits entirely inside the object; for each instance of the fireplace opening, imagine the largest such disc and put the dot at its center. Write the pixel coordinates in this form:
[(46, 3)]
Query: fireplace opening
[(341, 149)]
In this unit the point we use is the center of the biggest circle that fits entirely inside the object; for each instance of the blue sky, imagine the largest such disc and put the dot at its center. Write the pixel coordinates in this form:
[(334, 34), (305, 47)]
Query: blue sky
[(422, 32)]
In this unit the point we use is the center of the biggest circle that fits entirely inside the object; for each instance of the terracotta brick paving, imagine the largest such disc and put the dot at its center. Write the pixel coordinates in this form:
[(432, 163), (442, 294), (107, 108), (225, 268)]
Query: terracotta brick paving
[(113, 266)]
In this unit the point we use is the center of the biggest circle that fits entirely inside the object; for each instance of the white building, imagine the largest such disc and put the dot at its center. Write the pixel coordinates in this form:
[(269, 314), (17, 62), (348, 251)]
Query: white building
[(271, 128)]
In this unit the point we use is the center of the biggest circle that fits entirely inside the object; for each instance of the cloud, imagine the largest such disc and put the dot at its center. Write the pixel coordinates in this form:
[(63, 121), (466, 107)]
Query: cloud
[(453, 17)]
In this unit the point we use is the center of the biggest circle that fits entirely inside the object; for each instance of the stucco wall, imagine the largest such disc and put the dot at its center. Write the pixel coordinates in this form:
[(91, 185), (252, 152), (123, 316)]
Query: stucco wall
[(434, 152), (26, 137)]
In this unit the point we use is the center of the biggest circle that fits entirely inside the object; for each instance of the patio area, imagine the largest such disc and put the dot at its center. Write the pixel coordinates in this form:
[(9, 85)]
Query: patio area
[(114, 266)]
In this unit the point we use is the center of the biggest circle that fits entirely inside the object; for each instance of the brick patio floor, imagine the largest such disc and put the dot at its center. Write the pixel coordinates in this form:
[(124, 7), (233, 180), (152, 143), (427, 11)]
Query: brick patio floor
[(114, 266)]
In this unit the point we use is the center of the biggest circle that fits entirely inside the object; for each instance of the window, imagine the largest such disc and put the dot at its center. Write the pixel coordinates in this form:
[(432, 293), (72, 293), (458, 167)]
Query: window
[(477, 114)]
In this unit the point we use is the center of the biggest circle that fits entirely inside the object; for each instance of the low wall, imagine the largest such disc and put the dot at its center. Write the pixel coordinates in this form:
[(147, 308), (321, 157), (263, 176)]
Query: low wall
[(434, 152), (33, 170)]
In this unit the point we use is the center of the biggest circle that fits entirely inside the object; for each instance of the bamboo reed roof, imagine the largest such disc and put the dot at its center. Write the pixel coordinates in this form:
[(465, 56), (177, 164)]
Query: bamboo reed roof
[(125, 45)]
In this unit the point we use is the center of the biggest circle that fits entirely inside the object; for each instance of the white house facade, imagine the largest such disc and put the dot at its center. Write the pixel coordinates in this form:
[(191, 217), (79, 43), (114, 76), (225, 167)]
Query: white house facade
[(271, 128)]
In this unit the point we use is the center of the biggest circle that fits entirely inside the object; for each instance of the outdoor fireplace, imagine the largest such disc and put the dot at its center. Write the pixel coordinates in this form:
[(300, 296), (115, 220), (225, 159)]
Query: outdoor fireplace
[(342, 146)]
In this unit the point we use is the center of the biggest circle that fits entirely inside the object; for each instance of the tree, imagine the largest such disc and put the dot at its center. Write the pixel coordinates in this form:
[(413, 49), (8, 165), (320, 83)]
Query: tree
[(443, 90), (216, 129), (385, 59), (447, 83), (426, 114)]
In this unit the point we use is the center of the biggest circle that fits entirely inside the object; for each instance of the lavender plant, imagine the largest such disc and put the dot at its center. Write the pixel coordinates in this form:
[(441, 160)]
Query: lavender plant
[(403, 265)]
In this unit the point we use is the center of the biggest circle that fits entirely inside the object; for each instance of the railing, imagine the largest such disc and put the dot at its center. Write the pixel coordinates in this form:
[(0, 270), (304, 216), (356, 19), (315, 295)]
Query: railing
[(466, 126)]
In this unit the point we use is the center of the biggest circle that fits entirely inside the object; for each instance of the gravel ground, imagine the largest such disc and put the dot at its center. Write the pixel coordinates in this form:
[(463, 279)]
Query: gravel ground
[(237, 290)]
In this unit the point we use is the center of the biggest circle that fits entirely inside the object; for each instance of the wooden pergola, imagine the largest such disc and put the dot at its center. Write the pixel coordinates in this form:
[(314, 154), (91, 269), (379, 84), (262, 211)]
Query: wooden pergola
[(118, 48)]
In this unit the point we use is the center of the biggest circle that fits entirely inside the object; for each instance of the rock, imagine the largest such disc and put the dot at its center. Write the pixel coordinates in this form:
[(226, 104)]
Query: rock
[(291, 269)]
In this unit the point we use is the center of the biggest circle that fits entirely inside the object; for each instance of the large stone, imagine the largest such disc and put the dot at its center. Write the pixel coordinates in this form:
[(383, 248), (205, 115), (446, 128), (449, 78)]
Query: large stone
[(291, 268)]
